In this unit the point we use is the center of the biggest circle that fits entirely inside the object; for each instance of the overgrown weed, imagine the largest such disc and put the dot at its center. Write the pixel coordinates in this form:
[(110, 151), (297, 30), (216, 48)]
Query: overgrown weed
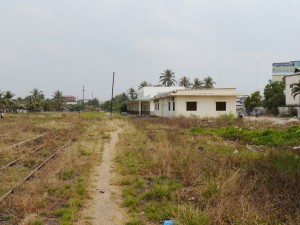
[(219, 179), (60, 188)]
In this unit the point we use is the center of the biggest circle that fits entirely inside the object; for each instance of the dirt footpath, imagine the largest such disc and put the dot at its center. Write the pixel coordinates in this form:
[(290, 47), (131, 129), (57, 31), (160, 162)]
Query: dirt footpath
[(104, 207)]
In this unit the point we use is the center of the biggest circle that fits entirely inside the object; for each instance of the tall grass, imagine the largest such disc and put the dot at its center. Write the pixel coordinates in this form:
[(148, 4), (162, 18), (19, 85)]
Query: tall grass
[(203, 177)]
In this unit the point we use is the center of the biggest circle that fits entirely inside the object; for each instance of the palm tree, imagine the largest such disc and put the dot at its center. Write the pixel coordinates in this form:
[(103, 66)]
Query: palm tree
[(295, 92), (167, 78), (208, 82), (35, 99), (185, 82), (132, 93), (1, 99), (145, 84), (58, 100), (197, 84), (1, 94), (7, 99)]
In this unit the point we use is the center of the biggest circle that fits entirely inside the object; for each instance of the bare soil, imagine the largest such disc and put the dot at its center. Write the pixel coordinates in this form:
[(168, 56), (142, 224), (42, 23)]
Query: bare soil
[(105, 206)]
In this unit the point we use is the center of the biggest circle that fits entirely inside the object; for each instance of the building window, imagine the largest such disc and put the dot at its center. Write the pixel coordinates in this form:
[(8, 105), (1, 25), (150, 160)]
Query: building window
[(158, 106), (173, 106), (220, 106), (191, 106), (291, 85), (169, 106)]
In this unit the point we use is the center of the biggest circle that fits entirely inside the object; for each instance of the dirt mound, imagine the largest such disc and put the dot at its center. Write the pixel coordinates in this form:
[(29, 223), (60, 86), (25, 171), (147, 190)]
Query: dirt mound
[(291, 123)]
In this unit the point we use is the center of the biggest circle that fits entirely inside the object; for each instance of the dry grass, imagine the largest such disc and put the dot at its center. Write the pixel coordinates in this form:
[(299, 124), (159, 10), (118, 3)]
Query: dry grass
[(58, 190), (196, 178)]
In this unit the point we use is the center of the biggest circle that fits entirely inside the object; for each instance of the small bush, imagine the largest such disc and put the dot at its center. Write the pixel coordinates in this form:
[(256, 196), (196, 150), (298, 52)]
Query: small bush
[(292, 111), (67, 174)]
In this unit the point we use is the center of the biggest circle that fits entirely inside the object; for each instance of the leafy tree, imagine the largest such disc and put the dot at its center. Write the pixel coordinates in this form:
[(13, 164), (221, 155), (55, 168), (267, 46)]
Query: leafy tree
[(118, 103), (185, 82), (48, 105), (208, 82), (1, 94), (253, 101), (295, 92), (274, 96), (58, 100), (132, 93), (197, 84), (93, 102), (145, 84), (167, 78)]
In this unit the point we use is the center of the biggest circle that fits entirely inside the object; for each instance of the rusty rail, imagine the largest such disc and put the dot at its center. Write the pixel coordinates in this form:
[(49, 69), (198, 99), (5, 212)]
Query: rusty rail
[(28, 140), (17, 160), (34, 171)]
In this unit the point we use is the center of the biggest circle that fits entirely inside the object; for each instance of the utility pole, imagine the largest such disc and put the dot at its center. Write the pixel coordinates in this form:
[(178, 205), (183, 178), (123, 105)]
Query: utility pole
[(257, 83), (112, 95), (92, 95), (83, 98)]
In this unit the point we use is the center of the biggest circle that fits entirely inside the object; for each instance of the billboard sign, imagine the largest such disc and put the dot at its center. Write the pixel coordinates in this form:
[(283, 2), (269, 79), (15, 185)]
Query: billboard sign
[(284, 68)]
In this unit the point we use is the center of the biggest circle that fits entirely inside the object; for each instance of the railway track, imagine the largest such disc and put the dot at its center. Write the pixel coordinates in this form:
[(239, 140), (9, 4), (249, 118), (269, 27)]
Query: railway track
[(37, 168), (26, 154), (16, 151), (30, 140), (29, 158)]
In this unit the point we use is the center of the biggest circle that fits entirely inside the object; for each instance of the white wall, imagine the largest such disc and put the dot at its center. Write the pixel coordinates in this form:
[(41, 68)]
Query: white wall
[(152, 91), (206, 106), (288, 90)]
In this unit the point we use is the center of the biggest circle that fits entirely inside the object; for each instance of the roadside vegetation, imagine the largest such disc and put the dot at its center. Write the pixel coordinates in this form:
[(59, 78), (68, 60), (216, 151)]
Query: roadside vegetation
[(55, 193), (210, 171)]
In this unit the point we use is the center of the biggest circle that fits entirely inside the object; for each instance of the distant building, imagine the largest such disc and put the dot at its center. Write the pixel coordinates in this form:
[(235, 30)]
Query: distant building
[(69, 99), (240, 107), (279, 70)]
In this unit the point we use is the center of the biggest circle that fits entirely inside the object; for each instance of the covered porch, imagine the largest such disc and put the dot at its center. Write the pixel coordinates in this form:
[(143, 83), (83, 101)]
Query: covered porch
[(139, 106)]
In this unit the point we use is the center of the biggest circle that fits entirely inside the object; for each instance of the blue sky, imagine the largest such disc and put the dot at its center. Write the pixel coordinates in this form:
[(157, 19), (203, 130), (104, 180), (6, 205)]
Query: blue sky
[(62, 45)]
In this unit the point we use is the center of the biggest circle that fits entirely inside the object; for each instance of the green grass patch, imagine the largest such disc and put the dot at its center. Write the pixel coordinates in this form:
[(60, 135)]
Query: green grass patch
[(67, 175), (76, 195), (93, 115), (161, 189), (182, 214), (266, 137)]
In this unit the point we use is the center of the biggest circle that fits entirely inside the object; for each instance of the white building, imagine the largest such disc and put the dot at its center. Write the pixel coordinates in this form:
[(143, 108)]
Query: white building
[(197, 102), (282, 69), (290, 80), (144, 104)]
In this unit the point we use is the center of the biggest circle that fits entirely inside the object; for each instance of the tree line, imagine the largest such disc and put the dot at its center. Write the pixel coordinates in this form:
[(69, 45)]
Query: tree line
[(36, 102), (167, 79)]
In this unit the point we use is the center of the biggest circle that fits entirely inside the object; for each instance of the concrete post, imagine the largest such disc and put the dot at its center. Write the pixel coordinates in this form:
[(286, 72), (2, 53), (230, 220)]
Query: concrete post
[(140, 108)]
